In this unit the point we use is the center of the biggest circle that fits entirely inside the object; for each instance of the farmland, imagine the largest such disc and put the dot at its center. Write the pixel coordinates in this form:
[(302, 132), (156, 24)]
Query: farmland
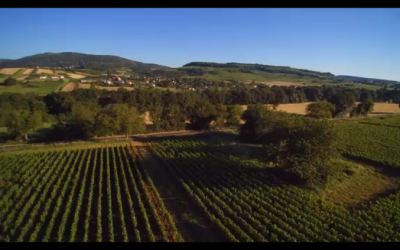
[(378, 144), (45, 71), (185, 189), (9, 71), (97, 194), (75, 76), (300, 108), (248, 204), (27, 71), (36, 87)]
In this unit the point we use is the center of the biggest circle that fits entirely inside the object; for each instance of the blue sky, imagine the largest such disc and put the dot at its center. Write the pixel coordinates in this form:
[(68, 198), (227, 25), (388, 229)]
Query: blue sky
[(360, 42)]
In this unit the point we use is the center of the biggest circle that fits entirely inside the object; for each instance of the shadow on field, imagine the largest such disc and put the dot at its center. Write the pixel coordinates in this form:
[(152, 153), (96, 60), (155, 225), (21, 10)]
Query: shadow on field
[(381, 113), (228, 156)]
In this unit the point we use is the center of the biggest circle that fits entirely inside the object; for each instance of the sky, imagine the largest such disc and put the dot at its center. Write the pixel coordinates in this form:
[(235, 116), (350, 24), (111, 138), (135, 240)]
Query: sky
[(359, 42)]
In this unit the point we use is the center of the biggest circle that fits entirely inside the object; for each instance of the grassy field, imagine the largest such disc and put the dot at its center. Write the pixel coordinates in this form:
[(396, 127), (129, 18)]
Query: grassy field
[(42, 87)]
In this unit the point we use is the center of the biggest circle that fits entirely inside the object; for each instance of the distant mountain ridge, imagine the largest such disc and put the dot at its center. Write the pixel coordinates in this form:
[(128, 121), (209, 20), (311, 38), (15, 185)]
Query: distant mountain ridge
[(78, 60), (253, 68), (365, 79), (4, 60)]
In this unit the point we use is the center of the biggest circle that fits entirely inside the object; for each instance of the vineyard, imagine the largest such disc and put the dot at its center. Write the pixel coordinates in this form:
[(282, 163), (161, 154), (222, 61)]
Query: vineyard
[(390, 121), (89, 195), (108, 193), (248, 205), (379, 144)]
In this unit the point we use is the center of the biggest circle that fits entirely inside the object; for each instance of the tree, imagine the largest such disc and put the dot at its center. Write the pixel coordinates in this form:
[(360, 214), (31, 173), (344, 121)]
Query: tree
[(130, 120), (119, 119), (10, 81), (233, 115), (84, 120), (155, 114), (201, 114), (22, 122), (172, 118), (303, 147), (219, 116), (321, 109), (259, 121), (363, 108), (344, 102)]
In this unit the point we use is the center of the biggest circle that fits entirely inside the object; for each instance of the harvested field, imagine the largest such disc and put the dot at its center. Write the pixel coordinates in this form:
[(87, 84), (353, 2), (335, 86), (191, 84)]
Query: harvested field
[(69, 87), (385, 108), (113, 88), (27, 71), (75, 76), (296, 108), (22, 77), (300, 108), (279, 83), (45, 71), (9, 71), (87, 86)]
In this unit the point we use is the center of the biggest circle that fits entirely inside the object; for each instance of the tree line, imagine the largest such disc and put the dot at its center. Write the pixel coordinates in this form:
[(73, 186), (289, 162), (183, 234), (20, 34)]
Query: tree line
[(84, 113)]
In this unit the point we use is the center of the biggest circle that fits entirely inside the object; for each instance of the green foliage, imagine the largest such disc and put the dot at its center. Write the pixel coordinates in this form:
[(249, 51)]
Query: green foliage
[(10, 81), (344, 102), (201, 114), (22, 122), (304, 146), (233, 115), (363, 108), (172, 118), (321, 109)]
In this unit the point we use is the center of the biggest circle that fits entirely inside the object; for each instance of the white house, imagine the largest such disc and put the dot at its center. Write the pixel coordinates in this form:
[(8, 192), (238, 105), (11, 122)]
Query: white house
[(43, 77), (57, 77)]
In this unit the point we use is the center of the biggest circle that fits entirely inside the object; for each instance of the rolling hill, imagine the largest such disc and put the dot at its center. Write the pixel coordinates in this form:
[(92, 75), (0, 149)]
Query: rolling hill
[(4, 60), (77, 60), (366, 80), (246, 73)]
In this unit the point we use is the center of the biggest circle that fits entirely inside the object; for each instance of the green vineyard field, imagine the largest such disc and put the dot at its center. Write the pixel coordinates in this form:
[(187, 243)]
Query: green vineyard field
[(99, 194), (379, 144), (107, 194), (248, 205)]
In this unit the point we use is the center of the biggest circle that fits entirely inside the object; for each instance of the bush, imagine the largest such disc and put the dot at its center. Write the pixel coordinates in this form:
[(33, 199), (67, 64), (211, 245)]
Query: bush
[(10, 81), (321, 109)]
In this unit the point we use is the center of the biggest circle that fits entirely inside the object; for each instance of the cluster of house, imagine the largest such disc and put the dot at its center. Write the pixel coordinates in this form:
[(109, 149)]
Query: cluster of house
[(111, 80), (52, 77)]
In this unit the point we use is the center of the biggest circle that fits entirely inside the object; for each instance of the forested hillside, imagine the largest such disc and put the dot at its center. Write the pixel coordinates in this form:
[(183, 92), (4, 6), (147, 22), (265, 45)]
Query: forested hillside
[(77, 60)]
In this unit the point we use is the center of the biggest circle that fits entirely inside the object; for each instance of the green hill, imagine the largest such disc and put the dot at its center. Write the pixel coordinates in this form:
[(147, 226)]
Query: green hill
[(247, 73), (77, 60)]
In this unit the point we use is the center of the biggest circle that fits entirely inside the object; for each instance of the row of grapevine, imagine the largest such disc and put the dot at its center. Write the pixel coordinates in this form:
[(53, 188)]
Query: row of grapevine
[(101, 194), (251, 206)]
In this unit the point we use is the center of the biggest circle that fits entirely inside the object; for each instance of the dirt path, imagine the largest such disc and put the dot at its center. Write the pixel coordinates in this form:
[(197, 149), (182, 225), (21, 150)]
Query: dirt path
[(193, 226)]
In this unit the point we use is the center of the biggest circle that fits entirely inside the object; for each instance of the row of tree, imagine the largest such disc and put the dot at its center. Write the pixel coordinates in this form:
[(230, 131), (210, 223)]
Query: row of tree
[(171, 110)]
